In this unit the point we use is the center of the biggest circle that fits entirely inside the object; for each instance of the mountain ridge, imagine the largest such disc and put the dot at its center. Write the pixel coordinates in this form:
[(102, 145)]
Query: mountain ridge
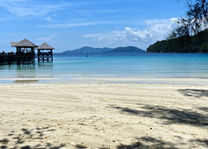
[(102, 51)]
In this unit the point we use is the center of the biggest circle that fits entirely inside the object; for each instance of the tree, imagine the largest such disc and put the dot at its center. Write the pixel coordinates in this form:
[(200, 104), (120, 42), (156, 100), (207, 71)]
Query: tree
[(195, 21), (198, 15), (182, 30)]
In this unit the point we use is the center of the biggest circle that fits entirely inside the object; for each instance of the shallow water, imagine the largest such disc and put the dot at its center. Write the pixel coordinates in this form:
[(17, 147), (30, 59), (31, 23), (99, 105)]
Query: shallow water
[(142, 66)]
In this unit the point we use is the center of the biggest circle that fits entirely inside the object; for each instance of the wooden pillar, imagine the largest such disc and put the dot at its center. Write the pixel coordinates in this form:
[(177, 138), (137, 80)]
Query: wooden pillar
[(33, 53), (51, 51), (47, 56), (39, 55), (18, 50), (18, 54)]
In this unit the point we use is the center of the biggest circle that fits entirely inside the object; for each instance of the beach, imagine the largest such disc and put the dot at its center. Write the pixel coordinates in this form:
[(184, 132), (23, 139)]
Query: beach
[(104, 74), (104, 115)]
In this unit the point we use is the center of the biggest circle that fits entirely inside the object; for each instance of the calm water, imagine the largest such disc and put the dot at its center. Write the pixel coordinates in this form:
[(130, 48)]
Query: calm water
[(143, 66)]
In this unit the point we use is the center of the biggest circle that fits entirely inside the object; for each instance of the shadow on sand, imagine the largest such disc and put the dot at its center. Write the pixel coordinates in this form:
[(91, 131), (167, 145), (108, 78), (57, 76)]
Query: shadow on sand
[(142, 143), (21, 140), (194, 93), (148, 143), (201, 142), (171, 116), (204, 109)]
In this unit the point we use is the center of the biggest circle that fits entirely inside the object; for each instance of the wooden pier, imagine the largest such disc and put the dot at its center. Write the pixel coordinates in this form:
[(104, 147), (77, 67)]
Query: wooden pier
[(7, 58), (25, 53)]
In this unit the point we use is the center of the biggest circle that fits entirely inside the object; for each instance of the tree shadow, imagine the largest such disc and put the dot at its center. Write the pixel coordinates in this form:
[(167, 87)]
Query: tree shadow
[(201, 142), (142, 143), (205, 109), (194, 92), (21, 140), (80, 146), (171, 116), (148, 143)]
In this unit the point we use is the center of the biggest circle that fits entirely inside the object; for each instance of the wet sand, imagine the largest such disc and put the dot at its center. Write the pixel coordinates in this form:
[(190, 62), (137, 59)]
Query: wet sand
[(99, 115)]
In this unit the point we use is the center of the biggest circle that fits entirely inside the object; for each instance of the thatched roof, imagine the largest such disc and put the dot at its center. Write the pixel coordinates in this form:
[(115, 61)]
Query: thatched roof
[(13, 44), (45, 46), (24, 43)]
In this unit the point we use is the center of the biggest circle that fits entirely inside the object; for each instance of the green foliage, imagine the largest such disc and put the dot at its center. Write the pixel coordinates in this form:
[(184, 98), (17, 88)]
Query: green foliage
[(198, 15), (184, 44), (182, 30), (189, 37), (195, 21)]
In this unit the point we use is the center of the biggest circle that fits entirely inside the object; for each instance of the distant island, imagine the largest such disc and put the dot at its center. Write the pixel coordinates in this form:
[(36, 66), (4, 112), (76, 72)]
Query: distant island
[(87, 51), (185, 44)]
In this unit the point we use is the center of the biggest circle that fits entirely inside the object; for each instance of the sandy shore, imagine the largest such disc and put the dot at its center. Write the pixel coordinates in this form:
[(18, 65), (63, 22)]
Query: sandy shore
[(103, 116)]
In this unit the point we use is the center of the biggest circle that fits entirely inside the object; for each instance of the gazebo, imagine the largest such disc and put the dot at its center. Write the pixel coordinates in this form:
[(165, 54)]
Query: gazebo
[(24, 46), (25, 50), (45, 51)]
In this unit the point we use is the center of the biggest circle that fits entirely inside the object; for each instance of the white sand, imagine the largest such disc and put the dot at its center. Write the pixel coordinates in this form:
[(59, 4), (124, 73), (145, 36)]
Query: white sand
[(104, 115)]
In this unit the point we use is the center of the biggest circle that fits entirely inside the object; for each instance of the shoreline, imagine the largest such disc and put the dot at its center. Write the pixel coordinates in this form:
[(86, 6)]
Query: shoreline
[(98, 115), (105, 80)]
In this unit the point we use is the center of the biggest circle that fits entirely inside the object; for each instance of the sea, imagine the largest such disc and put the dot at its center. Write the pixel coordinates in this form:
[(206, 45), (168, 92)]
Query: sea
[(80, 68)]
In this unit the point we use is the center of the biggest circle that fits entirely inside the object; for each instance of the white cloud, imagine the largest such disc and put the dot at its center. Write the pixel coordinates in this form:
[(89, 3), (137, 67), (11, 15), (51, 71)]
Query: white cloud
[(70, 25), (159, 21), (154, 30), (46, 39), (24, 8), (49, 19)]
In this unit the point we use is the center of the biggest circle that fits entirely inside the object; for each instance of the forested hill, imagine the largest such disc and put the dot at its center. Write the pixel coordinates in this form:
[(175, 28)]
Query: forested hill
[(185, 44), (103, 51)]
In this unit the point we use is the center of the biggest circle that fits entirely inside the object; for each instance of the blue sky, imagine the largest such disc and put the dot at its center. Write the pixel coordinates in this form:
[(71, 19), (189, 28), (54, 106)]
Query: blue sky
[(70, 24)]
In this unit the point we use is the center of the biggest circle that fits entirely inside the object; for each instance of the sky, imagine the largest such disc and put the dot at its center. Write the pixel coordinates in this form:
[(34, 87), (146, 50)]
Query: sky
[(71, 24)]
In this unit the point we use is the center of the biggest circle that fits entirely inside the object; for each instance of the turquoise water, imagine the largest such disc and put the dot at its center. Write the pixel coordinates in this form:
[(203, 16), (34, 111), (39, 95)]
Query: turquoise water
[(142, 66)]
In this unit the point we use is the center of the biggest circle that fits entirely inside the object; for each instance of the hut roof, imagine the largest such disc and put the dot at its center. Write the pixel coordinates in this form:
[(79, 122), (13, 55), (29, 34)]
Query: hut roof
[(45, 46), (13, 44), (24, 43)]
